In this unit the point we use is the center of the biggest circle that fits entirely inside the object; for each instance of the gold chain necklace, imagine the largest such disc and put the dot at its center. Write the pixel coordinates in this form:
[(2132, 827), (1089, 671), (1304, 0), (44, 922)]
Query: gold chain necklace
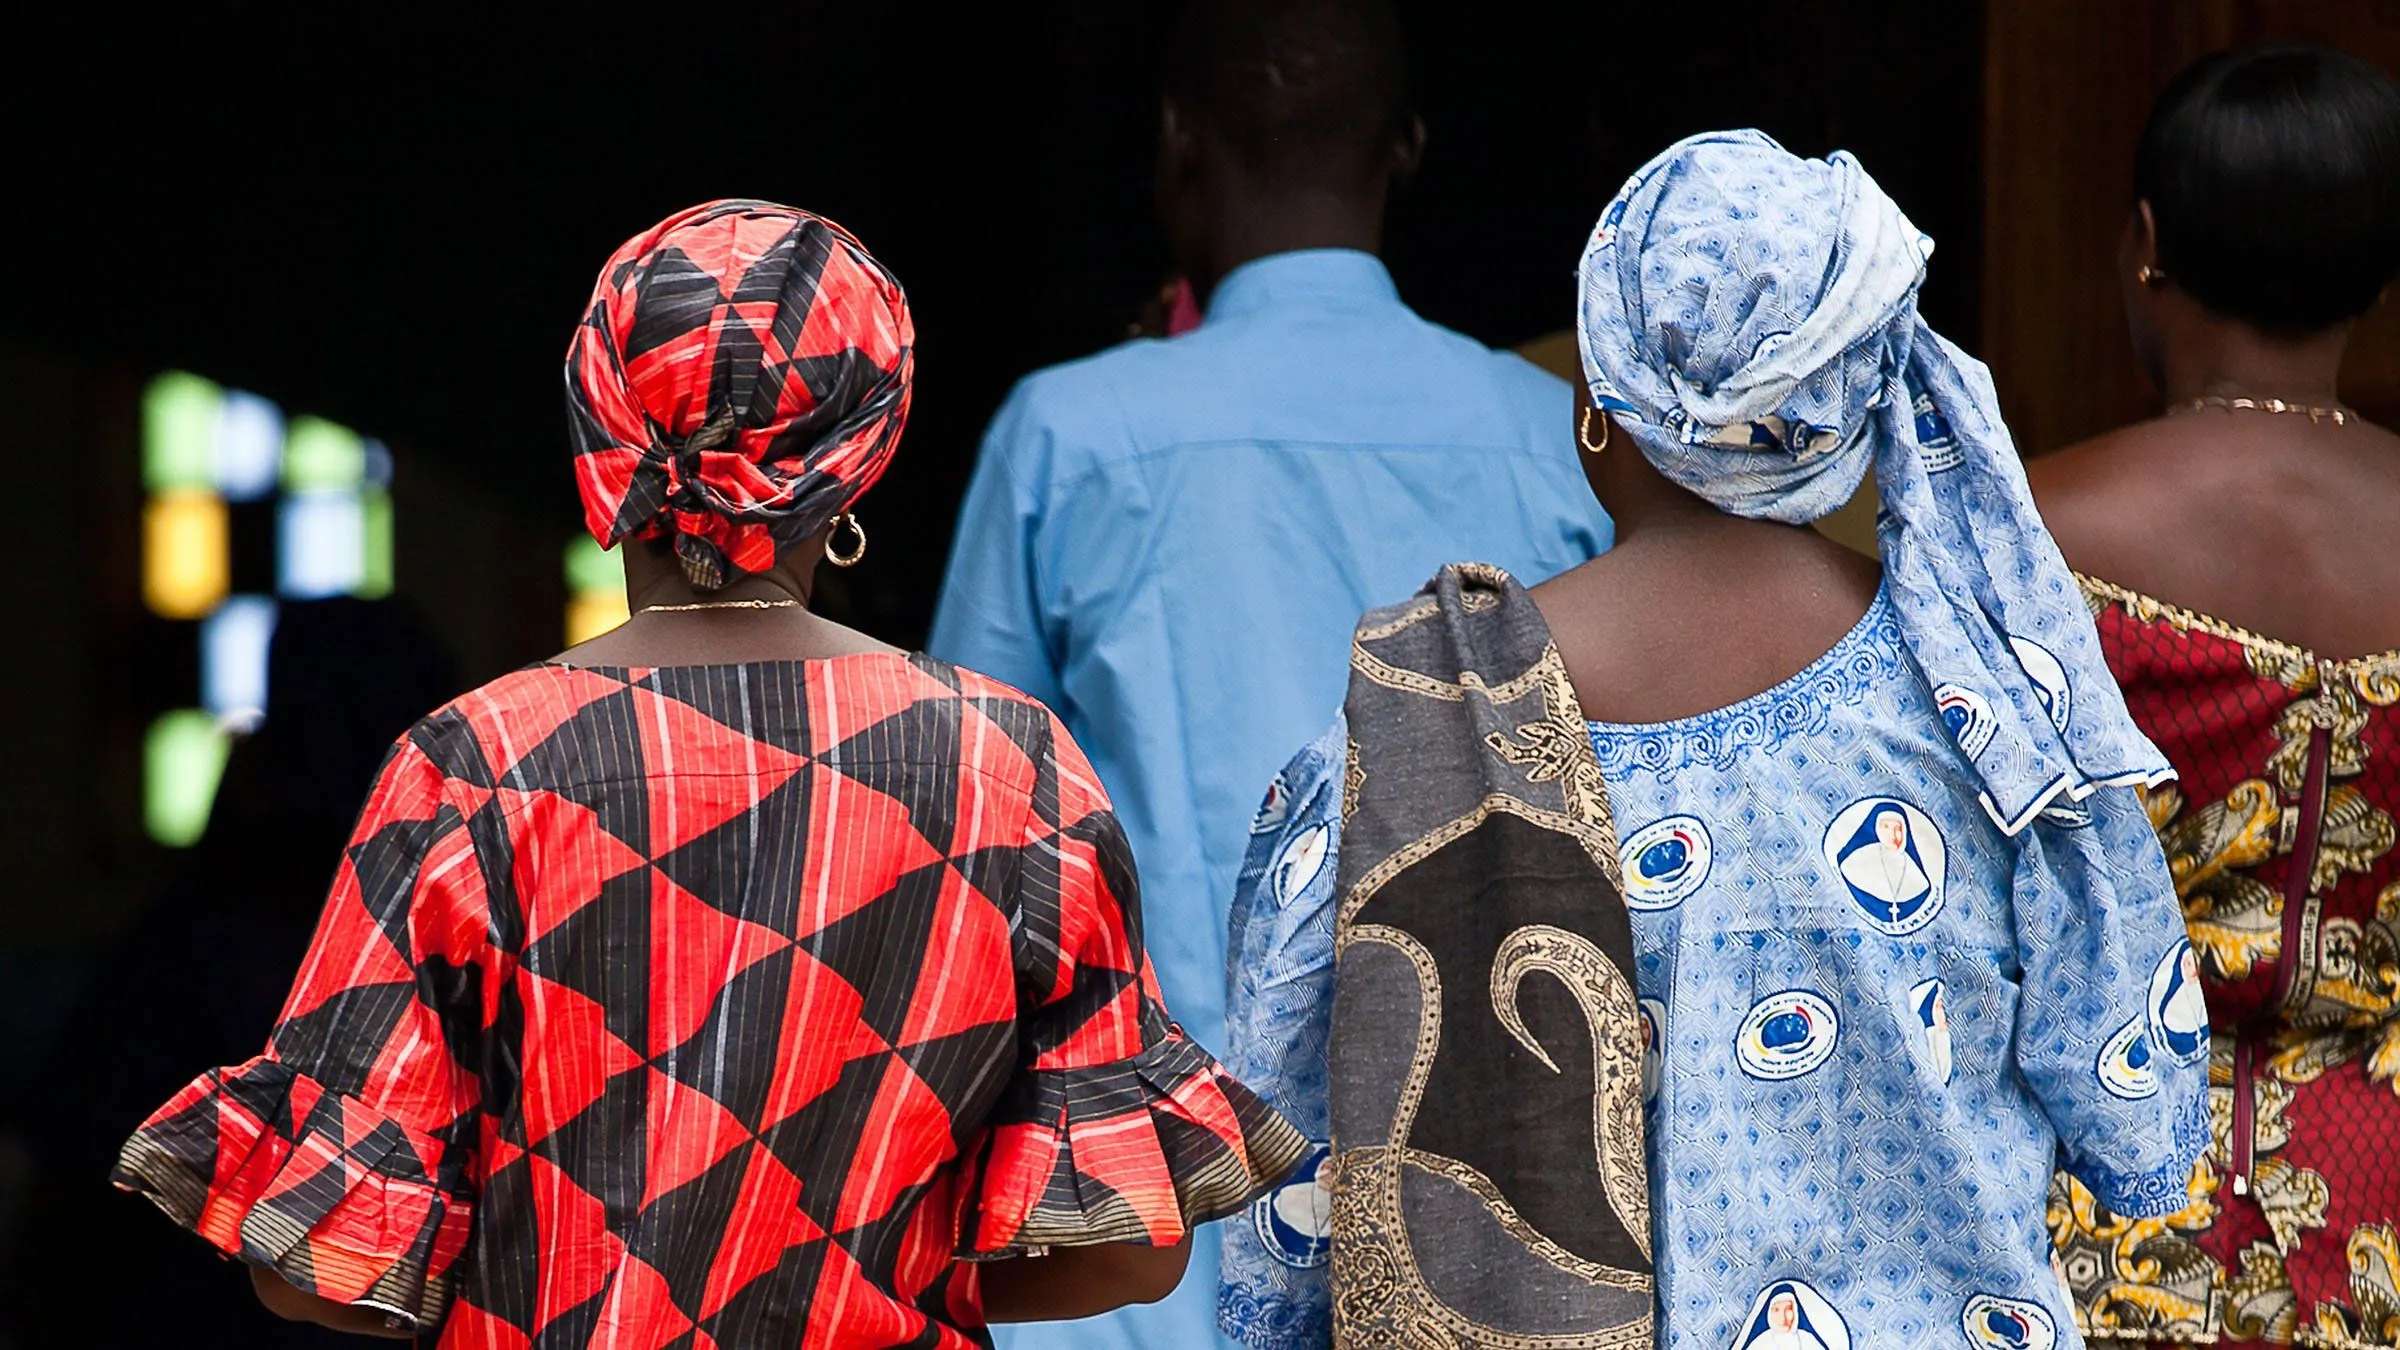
[(2340, 416), (717, 604)]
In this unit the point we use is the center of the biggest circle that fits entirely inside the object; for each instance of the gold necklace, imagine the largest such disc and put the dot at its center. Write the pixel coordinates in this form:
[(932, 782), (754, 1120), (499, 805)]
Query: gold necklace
[(717, 604), (2340, 416)]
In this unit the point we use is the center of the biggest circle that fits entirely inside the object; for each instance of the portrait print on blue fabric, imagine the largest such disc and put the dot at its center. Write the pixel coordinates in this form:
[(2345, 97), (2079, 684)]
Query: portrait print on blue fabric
[(1967, 715), (2008, 1324), (1786, 1035), (1654, 1047), (1792, 1315), (2049, 679), (1665, 861), (1929, 1003), (2178, 1014), (1891, 859), (1297, 864), (2125, 1067), (1295, 1220)]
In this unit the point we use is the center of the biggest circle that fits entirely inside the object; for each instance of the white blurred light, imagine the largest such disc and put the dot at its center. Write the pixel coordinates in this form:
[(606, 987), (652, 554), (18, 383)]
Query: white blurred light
[(249, 446), (321, 544), (233, 657)]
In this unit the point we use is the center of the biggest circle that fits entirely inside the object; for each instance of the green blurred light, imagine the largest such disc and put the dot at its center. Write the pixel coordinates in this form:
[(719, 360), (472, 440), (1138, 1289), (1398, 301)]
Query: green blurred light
[(183, 756), (320, 455), (179, 432), (375, 543), (590, 568)]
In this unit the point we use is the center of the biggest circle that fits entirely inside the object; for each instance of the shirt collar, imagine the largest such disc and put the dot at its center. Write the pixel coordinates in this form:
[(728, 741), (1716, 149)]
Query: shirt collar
[(1313, 277)]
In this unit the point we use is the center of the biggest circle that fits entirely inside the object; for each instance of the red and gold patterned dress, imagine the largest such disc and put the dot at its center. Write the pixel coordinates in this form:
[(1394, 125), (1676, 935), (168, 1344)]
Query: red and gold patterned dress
[(2280, 835), (714, 1007)]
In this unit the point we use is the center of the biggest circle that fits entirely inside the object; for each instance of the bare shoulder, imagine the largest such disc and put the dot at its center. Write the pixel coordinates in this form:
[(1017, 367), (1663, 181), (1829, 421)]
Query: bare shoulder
[(2260, 521), (1654, 634), (1585, 606), (2099, 497)]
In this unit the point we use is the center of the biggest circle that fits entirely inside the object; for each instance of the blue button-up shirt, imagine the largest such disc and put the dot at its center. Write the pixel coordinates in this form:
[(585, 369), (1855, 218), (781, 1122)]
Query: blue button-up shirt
[(1169, 543)]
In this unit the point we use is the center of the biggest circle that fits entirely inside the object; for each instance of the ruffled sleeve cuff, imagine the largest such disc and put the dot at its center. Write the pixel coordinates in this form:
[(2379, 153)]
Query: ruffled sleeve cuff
[(1142, 1150), (337, 1198)]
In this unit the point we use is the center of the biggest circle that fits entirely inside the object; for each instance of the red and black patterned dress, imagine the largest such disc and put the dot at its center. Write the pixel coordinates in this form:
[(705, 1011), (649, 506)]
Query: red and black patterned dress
[(2280, 835), (715, 1006)]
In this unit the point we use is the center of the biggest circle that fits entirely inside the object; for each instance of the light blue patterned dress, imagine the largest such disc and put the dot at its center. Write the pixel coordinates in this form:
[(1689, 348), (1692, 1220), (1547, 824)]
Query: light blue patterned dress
[(1879, 1020)]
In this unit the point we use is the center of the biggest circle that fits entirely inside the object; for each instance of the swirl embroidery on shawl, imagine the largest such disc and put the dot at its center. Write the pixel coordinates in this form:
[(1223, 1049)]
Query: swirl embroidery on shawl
[(1610, 1011)]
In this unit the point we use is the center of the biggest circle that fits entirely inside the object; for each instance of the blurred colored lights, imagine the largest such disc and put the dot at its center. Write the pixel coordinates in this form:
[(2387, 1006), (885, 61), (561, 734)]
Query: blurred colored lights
[(233, 658), (183, 757), (374, 544), (320, 544), (249, 447), (187, 553), (318, 455), (595, 591), (205, 451), (179, 432)]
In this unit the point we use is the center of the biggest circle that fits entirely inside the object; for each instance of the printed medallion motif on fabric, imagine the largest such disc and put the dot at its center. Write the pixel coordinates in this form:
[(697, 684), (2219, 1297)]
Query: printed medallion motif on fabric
[(2281, 837), (1826, 926)]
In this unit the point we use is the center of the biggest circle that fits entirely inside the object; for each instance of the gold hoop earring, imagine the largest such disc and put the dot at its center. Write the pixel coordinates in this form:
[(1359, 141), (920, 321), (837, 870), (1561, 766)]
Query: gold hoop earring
[(856, 552), (2149, 276), (1583, 432)]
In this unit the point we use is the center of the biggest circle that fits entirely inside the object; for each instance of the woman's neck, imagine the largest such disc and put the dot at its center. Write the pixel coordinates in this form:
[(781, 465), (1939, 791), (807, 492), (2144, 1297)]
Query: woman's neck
[(657, 587), (2220, 358), (757, 617)]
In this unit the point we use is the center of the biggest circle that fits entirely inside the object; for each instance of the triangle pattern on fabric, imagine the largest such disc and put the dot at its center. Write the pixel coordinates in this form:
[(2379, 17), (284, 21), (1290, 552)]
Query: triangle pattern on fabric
[(859, 947), (602, 951), (767, 1216), (709, 948)]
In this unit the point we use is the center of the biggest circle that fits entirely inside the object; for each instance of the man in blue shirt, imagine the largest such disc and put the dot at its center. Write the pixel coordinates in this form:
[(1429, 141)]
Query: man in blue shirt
[(1170, 542)]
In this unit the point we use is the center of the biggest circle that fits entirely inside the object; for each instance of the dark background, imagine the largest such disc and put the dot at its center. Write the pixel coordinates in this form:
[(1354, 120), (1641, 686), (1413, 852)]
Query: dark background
[(397, 229), (395, 226)]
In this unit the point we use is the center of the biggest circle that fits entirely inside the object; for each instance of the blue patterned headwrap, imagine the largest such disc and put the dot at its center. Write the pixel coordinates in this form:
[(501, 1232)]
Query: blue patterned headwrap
[(1749, 318)]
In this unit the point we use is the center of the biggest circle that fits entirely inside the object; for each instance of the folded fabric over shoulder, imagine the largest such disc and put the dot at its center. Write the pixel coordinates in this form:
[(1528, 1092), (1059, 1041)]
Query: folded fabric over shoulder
[(1490, 1180), (1750, 319), (335, 1197)]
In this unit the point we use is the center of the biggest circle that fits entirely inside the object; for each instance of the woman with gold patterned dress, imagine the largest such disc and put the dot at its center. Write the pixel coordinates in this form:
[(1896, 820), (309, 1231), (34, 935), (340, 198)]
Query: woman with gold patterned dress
[(2268, 220)]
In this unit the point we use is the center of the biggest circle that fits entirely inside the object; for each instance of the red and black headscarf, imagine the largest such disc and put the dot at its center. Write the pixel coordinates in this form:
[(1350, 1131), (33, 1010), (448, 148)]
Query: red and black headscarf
[(740, 379)]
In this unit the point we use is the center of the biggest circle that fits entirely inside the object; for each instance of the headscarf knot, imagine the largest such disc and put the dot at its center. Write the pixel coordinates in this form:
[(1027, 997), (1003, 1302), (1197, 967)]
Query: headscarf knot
[(1750, 319), (741, 376)]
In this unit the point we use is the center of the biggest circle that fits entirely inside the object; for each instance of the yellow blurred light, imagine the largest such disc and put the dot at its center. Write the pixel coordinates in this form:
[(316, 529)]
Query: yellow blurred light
[(187, 561), (591, 613)]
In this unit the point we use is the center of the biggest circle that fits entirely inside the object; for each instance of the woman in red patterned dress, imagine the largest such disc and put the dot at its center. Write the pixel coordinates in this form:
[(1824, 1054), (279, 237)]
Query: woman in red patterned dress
[(2268, 220), (732, 980)]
